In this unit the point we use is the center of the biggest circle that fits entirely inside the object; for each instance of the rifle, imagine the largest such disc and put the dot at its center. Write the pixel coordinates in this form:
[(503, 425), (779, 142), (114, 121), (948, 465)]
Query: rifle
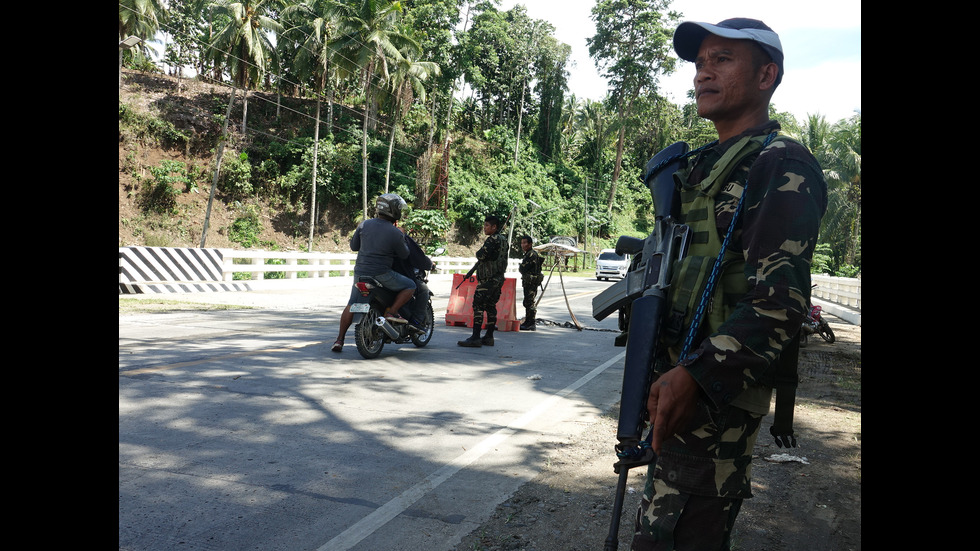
[(473, 269), (468, 274), (645, 287)]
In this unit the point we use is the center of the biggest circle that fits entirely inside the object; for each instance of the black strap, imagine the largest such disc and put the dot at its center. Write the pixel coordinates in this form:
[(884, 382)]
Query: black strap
[(786, 380)]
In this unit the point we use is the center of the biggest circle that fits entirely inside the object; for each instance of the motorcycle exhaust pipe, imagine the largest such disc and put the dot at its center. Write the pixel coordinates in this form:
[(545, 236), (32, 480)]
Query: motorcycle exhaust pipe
[(386, 327)]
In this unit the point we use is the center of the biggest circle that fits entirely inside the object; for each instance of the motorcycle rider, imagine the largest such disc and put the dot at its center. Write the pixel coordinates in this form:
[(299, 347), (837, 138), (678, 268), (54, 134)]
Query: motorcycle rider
[(378, 242)]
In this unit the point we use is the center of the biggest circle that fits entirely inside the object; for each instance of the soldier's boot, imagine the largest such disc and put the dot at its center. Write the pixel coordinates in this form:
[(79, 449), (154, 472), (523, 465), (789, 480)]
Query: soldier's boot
[(529, 320), (474, 340), (471, 342), (487, 339)]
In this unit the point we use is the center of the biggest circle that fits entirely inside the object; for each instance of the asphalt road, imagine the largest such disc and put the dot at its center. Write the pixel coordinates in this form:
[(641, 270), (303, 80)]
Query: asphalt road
[(240, 429)]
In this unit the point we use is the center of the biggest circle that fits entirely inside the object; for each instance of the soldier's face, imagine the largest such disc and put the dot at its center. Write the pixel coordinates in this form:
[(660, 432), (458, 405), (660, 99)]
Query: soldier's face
[(726, 85), (489, 228), (525, 244)]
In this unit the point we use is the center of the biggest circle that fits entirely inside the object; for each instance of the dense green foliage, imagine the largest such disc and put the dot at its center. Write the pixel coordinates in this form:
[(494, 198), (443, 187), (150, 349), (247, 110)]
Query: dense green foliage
[(513, 138)]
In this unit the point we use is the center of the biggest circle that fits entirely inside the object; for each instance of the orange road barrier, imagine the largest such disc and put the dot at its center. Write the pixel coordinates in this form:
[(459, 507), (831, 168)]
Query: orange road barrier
[(459, 312)]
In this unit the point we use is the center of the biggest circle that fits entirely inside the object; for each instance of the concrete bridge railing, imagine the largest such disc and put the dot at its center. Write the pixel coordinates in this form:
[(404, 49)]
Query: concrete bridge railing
[(176, 269)]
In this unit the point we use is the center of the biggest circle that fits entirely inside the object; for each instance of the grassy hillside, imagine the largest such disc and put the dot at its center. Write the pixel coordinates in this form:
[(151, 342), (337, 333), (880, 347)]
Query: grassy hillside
[(165, 126)]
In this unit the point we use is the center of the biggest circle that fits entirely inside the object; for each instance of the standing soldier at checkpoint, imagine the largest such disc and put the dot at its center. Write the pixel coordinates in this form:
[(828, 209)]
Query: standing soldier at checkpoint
[(491, 265), (531, 277), (706, 406)]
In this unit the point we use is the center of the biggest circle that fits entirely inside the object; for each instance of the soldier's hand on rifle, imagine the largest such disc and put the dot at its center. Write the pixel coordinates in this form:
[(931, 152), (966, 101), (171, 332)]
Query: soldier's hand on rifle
[(672, 401)]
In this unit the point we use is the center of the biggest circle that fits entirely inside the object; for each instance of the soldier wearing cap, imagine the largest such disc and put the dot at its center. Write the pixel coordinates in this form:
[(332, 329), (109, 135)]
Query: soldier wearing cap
[(531, 278), (491, 268), (706, 403)]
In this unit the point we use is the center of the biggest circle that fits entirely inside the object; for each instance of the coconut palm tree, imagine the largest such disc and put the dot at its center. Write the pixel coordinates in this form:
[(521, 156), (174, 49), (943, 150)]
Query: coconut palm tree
[(843, 173), (595, 131), (313, 28), (369, 40), (406, 86), (244, 45), (140, 18), (837, 148)]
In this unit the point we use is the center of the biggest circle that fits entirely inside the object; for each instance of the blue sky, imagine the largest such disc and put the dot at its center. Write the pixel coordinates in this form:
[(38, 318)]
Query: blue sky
[(821, 41)]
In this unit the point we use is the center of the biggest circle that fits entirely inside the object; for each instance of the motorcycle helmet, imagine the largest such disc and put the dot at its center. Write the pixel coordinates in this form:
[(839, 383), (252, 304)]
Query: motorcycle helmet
[(390, 205)]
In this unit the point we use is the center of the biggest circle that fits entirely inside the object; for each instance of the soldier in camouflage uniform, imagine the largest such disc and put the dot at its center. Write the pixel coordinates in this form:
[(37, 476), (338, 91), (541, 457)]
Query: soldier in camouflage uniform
[(706, 408), (531, 277), (490, 269)]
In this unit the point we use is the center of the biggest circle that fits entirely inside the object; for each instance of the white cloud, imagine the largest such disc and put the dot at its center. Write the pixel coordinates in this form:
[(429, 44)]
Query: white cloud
[(831, 89)]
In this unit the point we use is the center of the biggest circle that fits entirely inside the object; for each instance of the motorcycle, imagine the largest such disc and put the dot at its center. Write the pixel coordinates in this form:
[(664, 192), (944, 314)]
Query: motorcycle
[(813, 322), (372, 331)]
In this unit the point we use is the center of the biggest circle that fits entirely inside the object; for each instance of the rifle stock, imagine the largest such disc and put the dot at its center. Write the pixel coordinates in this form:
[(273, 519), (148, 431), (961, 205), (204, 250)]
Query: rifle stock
[(645, 287)]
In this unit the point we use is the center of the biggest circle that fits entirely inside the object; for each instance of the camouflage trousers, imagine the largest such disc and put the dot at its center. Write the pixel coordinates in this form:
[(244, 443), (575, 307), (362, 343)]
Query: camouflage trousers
[(530, 293), (485, 300), (695, 489)]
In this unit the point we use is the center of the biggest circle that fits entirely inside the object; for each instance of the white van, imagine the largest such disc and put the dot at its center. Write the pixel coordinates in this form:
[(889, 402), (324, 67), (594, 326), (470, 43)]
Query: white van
[(609, 264)]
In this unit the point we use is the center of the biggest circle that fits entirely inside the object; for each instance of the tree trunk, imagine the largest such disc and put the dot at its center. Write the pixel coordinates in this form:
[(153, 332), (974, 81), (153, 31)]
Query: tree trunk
[(391, 147), (619, 163), (330, 113), (217, 167), (432, 127), (520, 111), (316, 157), (367, 101), (244, 108)]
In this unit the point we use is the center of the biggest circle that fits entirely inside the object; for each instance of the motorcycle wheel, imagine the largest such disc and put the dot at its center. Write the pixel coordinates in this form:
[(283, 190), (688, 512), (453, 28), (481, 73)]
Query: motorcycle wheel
[(423, 339), (826, 332), (368, 337)]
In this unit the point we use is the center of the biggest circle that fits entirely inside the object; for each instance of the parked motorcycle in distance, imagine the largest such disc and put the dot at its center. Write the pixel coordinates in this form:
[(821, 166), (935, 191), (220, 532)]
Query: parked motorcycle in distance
[(372, 331), (813, 322)]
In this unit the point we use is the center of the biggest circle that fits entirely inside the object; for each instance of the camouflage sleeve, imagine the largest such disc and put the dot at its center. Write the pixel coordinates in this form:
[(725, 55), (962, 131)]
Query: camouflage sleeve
[(785, 199)]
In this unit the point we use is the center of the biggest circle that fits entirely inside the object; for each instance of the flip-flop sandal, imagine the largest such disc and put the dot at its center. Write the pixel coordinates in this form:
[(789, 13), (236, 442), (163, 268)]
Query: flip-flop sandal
[(337, 346), (395, 318)]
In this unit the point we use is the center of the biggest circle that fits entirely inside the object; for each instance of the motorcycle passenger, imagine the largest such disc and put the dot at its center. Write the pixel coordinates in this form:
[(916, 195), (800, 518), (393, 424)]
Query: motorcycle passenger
[(378, 243), (417, 260)]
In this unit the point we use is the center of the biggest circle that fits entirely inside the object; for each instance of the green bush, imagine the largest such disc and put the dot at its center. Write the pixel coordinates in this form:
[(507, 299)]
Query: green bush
[(143, 126), (236, 176), (275, 275), (160, 194), (822, 259), (428, 228), (246, 228)]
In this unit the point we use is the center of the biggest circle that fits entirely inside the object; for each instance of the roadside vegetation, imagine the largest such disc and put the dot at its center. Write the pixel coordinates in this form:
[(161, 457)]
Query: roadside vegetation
[(315, 107)]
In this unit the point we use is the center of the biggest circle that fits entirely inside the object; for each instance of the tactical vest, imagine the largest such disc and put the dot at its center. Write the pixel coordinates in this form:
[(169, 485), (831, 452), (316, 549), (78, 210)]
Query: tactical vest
[(690, 277), (494, 269)]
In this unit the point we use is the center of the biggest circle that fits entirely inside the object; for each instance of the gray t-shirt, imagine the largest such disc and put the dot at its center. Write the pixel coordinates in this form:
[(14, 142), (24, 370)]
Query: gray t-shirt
[(377, 242)]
